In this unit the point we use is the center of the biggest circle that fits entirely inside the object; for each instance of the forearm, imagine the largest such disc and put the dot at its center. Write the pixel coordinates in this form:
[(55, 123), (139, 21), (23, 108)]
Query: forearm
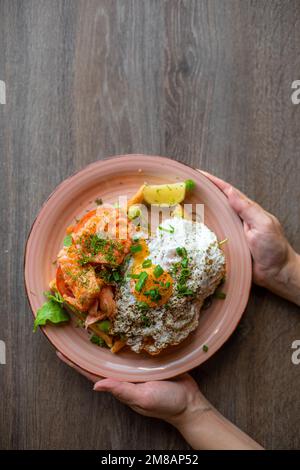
[(287, 283), (207, 429)]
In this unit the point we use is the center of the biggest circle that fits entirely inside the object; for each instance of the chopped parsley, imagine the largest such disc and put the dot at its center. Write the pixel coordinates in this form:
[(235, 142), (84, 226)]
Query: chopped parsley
[(205, 348), (98, 201)]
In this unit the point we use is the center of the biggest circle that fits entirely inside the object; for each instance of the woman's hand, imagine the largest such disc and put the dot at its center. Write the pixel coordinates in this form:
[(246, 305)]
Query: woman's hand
[(180, 403), (276, 265), (173, 400)]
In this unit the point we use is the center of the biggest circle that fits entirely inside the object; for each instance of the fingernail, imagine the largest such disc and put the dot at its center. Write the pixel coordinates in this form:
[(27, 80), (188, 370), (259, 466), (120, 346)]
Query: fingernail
[(97, 387)]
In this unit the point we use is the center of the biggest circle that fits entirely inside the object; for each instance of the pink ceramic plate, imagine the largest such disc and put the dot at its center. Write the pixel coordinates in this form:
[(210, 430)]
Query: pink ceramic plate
[(107, 180)]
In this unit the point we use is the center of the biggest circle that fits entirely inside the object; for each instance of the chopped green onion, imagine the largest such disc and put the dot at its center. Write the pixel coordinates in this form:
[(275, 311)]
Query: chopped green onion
[(146, 321), (184, 290), (134, 276), (189, 185), (171, 230), (97, 340), (136, 248), (143, 305), (181, 251), (184, 262), (158, 270), (116, 276), (205, 348), (147, 263), (141, 281), (154, 294), (167, 284)]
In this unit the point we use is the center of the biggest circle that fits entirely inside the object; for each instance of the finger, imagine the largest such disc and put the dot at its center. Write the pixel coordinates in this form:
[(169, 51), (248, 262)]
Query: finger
[(126, 392), (223, 185), (250, 212), (91, 377)]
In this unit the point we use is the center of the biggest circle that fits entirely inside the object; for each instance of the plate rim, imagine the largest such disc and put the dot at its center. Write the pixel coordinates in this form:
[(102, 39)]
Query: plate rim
[(161, 375)]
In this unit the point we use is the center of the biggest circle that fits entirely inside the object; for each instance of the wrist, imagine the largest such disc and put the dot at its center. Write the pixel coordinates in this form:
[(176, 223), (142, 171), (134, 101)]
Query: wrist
[(204, 428), (196, 406), (287, 282)]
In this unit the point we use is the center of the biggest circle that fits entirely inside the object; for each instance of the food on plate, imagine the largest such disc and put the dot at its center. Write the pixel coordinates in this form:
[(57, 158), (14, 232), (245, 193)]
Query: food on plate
[(128, 289), (165, 194)]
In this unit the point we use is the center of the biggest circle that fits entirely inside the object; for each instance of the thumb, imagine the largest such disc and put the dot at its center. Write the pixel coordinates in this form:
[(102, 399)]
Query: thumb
[(125, 392)]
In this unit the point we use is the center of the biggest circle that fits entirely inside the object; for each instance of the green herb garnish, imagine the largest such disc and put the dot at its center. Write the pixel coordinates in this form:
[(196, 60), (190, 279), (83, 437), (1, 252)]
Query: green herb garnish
[(181, 251), (154, 294), (147, 263), (189, 185), (52, 312), (134, 276), (205, 348), (170, 230), (141, 281), (97, 340), (104, 326), (136, 248), (184, 262), (98, 201), (158, 271), (68, 240), (56, 297), (146, 321), (142, 305)]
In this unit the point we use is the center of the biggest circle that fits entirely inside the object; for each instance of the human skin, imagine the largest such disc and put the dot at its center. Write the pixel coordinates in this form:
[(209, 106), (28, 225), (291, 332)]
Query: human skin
[(276, 266)]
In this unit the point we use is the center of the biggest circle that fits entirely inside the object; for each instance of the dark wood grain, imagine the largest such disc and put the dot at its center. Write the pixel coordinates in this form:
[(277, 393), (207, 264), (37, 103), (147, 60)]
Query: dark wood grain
[(204, 82)]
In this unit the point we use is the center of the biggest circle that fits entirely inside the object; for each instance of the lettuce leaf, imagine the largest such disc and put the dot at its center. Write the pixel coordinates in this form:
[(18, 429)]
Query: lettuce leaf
[(53, 312)]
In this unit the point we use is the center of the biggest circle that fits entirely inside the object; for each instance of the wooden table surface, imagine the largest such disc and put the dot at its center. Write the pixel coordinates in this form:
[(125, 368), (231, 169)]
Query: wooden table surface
[(204, 82)]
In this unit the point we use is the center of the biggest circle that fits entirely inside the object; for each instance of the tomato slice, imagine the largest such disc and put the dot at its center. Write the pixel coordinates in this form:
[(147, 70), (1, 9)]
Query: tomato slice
[(61, 285), (83, 220)]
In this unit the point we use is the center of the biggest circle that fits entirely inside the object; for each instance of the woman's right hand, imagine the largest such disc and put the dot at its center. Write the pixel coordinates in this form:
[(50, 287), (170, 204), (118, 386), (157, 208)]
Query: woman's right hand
[(276, 265)]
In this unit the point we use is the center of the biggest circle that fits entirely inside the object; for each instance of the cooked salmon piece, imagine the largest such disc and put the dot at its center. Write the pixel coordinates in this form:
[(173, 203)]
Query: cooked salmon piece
[(104, 237), (81, 280)]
